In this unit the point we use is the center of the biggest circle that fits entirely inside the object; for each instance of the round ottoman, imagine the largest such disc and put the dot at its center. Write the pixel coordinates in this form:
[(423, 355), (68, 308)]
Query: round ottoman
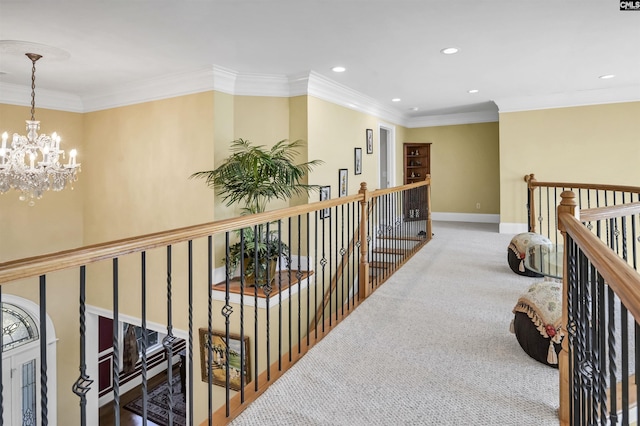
[(518, 248), (536, 323)]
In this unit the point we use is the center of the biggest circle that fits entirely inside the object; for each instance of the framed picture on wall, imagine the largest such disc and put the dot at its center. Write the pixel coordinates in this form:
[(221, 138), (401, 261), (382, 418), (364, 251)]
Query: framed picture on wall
[(369, 141), (357, 166), (325, 194), (219, 348), (343, 182)]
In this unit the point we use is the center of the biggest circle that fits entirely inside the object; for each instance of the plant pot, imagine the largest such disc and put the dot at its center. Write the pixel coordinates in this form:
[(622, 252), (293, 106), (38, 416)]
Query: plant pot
[(266, 268)]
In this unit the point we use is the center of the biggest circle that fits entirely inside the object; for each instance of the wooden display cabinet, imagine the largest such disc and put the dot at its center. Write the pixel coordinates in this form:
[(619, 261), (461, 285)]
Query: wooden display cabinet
[(417, 165)]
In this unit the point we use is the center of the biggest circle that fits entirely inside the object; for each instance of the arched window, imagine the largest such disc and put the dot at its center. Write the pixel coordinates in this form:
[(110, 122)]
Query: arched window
[(18, 328)]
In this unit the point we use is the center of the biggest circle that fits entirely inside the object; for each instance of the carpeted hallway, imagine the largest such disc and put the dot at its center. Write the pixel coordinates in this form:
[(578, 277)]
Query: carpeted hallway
[(430, 347)]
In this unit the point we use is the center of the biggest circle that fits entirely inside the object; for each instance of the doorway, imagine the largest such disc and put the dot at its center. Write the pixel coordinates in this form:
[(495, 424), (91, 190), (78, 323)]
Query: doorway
[(386, 165)]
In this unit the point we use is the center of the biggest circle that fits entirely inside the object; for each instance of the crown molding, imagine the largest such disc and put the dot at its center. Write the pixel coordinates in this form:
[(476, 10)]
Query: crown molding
[(328, 90), (566, 100), (152, 89), (13, 94), (453, 119), (306, 83)]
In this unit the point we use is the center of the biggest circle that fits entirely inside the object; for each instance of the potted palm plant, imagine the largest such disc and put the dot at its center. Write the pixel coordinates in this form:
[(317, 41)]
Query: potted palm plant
[(252, 177)]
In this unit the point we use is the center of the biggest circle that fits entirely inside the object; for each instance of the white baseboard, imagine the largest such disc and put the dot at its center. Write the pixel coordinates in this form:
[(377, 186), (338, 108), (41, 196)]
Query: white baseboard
[(513, 228), (466, 217)]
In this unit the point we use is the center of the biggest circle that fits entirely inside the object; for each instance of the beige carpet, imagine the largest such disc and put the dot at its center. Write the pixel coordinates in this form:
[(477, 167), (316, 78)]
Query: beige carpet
[(431, 347)]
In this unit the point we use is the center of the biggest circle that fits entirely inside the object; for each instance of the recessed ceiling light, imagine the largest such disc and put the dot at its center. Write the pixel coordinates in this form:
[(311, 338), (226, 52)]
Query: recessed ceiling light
[(396, 100), (473, 91), (607, 76), (338, 69), (449, 50), (414, 109)]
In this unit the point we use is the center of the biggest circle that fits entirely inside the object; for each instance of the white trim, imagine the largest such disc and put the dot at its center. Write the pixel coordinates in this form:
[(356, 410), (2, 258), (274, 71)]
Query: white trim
[(21, 95), (33, 309), (513, 228), (465, 217), (391, 152), (571, 99), (310, 83), (453, 119)]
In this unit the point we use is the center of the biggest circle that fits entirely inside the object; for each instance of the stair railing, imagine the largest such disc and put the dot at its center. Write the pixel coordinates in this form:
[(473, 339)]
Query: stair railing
[(601, 311), (238, 338)]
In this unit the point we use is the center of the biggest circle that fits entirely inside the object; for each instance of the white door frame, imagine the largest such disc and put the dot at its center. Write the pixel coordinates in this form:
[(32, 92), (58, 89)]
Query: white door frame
[(33, 310), (391, 152)]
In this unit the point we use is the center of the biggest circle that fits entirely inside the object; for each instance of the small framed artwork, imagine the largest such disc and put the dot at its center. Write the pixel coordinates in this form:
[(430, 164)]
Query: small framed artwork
[(219, 347), (343, 182), (369, 141), (325, 194), (357, 167)]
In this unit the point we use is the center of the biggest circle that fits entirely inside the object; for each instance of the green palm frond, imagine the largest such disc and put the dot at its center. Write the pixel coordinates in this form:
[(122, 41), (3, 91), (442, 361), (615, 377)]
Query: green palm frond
[(253, 175)]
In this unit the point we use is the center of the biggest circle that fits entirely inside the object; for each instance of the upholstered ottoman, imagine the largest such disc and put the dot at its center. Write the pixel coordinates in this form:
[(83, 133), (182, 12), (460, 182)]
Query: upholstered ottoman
[(518, 249), (536, 322)]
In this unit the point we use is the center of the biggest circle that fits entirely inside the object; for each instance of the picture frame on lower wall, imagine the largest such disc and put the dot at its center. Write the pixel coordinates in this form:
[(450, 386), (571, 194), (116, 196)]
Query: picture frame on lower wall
[(343, 182), (219, 347)]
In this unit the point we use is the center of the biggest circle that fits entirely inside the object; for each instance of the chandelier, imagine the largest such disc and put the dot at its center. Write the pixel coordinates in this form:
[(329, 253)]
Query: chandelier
[(35, 163)]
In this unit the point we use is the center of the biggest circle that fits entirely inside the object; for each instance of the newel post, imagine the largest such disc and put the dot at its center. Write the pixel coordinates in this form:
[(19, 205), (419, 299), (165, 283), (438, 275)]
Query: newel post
[(531, 207), (364, 245), (567, 205)]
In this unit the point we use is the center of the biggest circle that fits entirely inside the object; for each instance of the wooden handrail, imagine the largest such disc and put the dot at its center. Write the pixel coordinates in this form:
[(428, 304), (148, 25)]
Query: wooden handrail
[(533, 183), (43, 264), (609, 212), (618, 274)]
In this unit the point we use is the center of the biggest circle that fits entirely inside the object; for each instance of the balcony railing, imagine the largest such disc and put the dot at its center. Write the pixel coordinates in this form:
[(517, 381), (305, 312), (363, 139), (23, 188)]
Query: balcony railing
[(600, 228), (231, 331)]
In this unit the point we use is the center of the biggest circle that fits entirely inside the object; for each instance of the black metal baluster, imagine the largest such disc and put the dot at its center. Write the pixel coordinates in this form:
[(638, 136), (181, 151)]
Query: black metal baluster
[(257, 232), (83, 384), (210, 323), (280, 298), (548, 214), (226, 312), (315, 274), (574, 384), (290, 347), (613, 417), (323, 263), (299, 279), (341, 258), (330, 262), (116, 350), (188, 395), (624, 345), (145, 337), (267, 292), (350, 257), (308, 277), (602, 344), (168, 340), (44, 398)]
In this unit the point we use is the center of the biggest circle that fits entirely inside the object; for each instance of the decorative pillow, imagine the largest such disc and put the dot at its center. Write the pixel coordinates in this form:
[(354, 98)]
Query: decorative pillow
[(518, 249), (536, 324)]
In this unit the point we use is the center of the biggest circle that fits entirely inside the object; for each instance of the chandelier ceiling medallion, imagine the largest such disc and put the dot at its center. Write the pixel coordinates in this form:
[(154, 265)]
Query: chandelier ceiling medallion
[(35, 163)]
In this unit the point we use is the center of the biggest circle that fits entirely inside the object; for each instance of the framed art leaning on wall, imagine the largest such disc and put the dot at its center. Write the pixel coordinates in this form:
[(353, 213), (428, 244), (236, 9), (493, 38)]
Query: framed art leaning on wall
[(219, 348)]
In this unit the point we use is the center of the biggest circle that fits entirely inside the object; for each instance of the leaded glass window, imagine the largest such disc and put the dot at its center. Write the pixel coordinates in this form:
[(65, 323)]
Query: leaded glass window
[(29, 393), (18, 328)]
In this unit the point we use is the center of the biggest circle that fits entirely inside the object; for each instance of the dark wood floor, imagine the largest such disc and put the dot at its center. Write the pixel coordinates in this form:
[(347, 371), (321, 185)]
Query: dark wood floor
[(127, 418)]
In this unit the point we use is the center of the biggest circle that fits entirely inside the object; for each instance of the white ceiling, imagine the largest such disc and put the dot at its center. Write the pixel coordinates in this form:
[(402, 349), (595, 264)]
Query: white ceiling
[(519, 54)]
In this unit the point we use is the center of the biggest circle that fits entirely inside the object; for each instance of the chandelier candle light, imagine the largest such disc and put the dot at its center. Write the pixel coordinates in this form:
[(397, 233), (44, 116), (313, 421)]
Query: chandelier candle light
[(31, 164)]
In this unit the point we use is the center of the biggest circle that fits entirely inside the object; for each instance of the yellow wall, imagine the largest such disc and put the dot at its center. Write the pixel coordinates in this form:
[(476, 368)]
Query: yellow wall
[(464, 166), (142, 156), (591, 144), (334, 132)]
